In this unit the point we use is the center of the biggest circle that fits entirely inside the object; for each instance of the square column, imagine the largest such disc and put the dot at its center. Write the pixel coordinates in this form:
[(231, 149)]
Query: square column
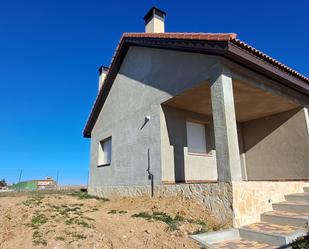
[(225, 128)]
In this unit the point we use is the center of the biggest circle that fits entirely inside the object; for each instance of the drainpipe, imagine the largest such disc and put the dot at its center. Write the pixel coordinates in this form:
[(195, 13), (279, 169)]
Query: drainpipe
[(150, 175)]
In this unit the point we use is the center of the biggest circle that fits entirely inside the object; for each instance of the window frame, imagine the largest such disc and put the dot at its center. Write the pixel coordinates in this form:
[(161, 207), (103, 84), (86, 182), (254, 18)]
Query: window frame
[(206, 137), (103, 162)]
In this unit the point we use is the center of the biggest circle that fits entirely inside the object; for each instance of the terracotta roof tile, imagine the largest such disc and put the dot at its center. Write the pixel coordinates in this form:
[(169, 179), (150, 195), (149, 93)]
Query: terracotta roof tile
[(269, 59), (232, 37), (185, 36)]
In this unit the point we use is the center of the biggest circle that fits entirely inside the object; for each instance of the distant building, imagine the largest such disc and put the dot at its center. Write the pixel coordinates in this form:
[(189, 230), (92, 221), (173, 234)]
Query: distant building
[(5, 189), (47, 183)]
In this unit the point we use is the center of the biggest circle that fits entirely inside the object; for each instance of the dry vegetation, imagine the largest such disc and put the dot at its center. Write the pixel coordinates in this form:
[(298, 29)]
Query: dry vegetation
[(77, 220)]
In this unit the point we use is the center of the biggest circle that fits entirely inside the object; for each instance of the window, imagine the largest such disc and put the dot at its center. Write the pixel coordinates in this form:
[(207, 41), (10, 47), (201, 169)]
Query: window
[(105, 152), (196, 138)]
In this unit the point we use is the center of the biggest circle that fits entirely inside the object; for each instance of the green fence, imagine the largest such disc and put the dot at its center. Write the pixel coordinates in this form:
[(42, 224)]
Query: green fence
[(29, 185)]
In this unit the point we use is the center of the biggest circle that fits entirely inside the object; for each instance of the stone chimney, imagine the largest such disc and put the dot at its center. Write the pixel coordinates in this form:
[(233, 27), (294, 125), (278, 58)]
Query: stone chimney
[(154, 21), (102, 74)]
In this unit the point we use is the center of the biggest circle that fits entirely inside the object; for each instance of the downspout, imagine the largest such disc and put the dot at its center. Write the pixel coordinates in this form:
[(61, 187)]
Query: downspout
[(150, 175)]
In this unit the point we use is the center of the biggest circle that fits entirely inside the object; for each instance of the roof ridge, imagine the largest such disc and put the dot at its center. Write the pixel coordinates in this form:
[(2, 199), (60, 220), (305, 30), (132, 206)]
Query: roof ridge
[(182, 35)]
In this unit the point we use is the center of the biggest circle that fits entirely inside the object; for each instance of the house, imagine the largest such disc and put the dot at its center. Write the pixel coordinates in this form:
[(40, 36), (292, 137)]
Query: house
[(202, 115)]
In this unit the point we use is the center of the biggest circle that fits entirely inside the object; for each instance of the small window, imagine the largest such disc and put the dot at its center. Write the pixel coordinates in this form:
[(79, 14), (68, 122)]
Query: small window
[(196, 138), (105, 152)]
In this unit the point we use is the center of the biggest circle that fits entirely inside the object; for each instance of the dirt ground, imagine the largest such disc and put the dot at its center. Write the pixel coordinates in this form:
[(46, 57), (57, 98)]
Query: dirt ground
[(76, 220)]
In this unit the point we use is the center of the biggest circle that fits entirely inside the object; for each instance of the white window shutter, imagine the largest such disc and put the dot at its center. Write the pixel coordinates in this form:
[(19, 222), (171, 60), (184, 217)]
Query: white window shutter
[(196, 138)]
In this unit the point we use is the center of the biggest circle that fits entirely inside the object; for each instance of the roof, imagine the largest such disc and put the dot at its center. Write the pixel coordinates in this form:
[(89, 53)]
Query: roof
[(222, 44)]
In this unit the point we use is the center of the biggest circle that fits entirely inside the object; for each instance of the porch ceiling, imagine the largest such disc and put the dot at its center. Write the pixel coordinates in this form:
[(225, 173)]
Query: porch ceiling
[(250, 102)]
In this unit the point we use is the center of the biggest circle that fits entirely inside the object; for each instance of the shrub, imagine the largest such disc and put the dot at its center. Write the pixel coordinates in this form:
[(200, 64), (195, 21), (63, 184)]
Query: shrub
[(301, 242), (38, 220), (159, 216), (85, 195)]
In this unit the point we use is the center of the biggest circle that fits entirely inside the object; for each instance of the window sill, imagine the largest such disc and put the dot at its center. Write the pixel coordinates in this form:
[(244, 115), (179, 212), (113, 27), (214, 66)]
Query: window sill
[(103, 165), (200, 154)]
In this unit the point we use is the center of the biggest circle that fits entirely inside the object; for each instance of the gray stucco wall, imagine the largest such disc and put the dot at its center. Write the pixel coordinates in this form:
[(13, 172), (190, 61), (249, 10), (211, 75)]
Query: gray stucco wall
[(177, 163), (277, 147), (146, 78), (149, 77)]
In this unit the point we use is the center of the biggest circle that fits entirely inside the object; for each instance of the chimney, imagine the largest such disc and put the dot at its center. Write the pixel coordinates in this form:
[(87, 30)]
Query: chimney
[(102, 74), (154, 21)]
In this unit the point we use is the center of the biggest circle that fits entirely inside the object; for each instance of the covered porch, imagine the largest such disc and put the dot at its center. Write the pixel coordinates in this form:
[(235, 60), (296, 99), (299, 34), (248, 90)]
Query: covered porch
[(253, 132)]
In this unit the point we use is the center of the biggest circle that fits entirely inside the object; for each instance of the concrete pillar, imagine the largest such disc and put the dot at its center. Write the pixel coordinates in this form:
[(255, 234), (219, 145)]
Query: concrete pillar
[(223, 111)]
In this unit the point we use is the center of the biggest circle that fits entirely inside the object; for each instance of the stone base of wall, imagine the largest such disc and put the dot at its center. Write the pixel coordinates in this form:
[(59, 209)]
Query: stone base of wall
[(217, 197), (242, 202), (251, 199)]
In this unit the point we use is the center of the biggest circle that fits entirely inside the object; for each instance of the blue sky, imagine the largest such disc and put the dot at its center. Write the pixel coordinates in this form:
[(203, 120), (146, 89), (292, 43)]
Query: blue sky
[(50, 52)]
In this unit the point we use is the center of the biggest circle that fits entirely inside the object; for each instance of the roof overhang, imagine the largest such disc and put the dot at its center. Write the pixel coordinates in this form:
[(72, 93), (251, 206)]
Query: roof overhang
[(225, 45)]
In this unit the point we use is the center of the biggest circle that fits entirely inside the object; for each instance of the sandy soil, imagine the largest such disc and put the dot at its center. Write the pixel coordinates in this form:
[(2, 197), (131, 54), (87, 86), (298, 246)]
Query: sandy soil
[(65, 221)]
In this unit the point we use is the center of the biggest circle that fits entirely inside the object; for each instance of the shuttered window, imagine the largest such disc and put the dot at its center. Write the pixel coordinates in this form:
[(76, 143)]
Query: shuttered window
[(196, 138)]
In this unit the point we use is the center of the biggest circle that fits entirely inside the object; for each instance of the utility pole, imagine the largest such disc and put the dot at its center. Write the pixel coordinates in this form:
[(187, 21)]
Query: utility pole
[(57, 178), (88, 179), (21, 172)]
